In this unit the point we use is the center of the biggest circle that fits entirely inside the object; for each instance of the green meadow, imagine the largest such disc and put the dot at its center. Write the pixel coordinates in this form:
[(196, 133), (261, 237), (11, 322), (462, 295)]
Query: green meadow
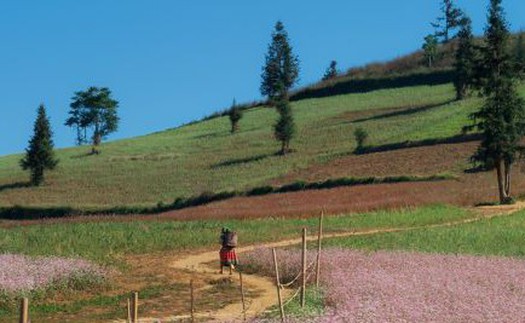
[(205, 157)]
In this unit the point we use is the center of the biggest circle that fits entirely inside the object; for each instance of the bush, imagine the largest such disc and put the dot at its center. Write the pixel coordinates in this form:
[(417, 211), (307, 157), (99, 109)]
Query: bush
[(262, 190), (360, 137)]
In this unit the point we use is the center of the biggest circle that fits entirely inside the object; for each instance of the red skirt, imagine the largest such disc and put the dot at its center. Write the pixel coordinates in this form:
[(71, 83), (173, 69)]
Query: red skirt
[(228, 256)]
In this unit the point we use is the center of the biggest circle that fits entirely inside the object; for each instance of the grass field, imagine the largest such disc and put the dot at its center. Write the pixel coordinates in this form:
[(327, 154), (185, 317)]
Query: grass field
[(104, 242), (499, 237), (205, 157)]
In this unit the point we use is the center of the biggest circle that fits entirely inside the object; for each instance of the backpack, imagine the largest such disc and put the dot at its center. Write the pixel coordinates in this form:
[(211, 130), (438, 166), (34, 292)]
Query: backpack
[(230, 239)]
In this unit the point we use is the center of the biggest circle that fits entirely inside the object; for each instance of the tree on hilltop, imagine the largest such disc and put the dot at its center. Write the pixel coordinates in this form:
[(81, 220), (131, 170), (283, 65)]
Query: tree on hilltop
[(93, 109), (430, 48), (466, 60), (39, 155), (501, 119), (331, 71), (281, 68), (450, 20), (235, 115)]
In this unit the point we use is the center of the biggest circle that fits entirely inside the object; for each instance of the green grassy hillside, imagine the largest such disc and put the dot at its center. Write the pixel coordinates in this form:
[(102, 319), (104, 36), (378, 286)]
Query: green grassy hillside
[(205, 157)]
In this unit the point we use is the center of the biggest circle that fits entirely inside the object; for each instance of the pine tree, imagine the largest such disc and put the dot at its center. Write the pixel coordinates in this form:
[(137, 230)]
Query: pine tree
[(281, 65), (465, 76), (235, 115), (331, 71), (450, 20), (430, 48), (39, 155), (519, 53), (94, 109), (284, 129), (502, 117)]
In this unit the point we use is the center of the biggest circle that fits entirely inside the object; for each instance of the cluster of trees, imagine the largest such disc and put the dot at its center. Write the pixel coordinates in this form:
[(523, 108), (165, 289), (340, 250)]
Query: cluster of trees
[(501, 119), (92, 110), (491, 68)]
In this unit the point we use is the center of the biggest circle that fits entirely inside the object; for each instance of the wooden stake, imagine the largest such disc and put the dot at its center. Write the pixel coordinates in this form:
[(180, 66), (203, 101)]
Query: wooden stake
[(135, 302), (303, 286), (242, 297), (24, 311), (128, 320), (318, 262), (278, 284), (192, 302)]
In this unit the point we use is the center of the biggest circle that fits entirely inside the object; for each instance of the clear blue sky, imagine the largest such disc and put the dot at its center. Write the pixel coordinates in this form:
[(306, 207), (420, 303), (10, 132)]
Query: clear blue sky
[(169, 62)]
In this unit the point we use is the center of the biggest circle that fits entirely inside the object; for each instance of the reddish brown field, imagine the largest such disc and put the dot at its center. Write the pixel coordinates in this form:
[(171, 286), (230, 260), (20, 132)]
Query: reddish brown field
[(423, 161), (467, 190)]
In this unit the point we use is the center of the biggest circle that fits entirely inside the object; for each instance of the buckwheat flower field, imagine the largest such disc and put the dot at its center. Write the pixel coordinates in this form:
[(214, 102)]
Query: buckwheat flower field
[(22, 275), (401, 287)]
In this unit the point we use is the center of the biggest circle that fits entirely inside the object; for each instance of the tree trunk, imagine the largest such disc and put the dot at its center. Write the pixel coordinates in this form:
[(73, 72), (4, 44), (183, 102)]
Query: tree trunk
[(503, 197), (508, 168)]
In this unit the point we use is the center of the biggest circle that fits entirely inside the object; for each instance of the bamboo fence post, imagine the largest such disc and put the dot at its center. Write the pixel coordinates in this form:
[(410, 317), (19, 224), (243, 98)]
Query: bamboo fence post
[(303, 285), (278, 284), (318, 262), (192, 302), (24, 310), (128, 308), (135, 307), (242, 297)]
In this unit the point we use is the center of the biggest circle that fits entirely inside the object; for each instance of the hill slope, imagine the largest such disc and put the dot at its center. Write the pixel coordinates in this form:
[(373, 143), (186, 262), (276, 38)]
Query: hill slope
[(206, 157)]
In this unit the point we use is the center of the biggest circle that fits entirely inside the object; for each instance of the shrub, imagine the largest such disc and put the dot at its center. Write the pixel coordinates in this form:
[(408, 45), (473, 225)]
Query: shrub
[(360, 137)]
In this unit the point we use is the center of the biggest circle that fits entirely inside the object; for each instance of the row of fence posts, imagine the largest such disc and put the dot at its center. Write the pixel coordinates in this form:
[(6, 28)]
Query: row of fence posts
[(133, 300), (303, 268)]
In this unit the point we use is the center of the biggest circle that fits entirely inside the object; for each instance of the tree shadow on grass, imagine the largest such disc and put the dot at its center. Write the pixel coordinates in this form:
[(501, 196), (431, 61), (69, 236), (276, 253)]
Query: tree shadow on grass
[(419, 143), (13, 186), (404, 112), (240, 161)]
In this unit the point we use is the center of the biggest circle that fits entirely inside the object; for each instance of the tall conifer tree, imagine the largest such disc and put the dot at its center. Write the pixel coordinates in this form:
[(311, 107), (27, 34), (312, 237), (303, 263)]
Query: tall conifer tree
[(465, 77), (448, 22), (284, 129), (502, 117), (39, 155), (281, 68)]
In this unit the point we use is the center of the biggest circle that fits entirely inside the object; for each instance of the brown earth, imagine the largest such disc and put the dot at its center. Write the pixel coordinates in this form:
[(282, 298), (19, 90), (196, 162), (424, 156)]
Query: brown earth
[(468, 189), (423, 161)]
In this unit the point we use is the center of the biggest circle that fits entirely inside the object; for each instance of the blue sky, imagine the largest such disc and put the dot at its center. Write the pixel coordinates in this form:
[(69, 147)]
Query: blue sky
[(169, 62)]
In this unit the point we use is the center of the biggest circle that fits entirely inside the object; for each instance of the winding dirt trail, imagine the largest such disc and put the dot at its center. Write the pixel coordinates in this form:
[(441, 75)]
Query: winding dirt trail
[(199, 263)]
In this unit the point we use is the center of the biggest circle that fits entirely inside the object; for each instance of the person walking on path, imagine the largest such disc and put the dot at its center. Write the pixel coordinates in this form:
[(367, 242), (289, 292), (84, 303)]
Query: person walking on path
[(228, 256)]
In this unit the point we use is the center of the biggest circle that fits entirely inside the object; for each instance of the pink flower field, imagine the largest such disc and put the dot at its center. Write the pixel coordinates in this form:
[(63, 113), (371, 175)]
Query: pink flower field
[(22, 274), (411, 287)]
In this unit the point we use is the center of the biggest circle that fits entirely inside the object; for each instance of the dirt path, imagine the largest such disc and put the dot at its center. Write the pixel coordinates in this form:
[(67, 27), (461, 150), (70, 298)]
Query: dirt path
[(199, 263)]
